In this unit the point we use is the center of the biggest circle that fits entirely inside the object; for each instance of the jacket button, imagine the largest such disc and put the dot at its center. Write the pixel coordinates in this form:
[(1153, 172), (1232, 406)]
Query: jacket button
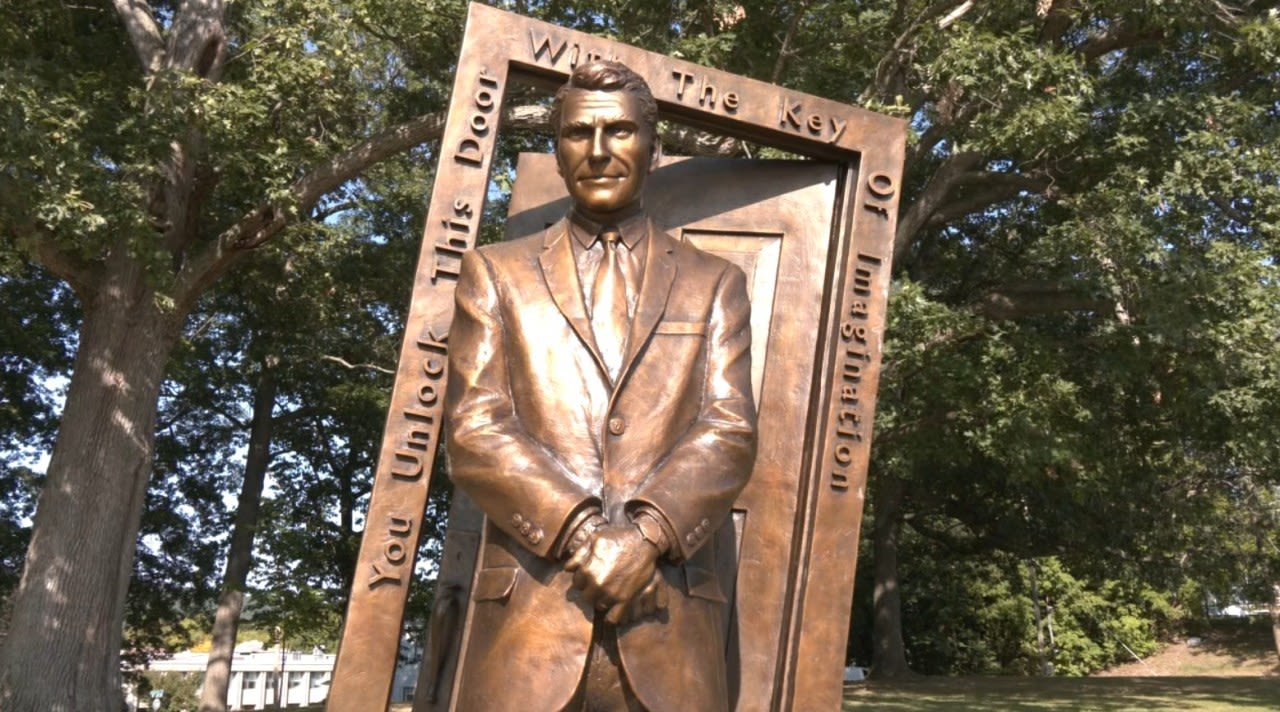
[(516, 519), (535, 537), (617, 425), (690, 539)]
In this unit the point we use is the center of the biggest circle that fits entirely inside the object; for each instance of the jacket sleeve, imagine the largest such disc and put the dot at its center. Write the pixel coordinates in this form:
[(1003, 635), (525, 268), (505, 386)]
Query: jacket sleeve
[(515, 480), (696, 484)]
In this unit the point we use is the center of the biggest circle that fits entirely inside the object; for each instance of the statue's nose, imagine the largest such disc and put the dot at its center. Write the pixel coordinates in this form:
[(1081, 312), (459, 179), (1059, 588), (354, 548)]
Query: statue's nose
[(599, 153)]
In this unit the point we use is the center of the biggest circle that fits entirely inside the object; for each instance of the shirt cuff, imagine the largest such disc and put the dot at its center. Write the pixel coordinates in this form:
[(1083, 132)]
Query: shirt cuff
[(652, 528), (579, 530)]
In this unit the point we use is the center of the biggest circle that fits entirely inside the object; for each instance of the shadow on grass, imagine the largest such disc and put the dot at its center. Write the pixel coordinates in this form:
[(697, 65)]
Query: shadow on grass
[(1245, 641), (1114, 694)]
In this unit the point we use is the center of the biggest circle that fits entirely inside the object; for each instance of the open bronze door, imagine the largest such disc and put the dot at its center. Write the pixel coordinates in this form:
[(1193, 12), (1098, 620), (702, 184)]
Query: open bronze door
[(774, 219)]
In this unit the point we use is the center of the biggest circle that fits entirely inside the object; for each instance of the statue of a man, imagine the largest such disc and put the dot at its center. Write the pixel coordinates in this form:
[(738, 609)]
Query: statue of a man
[(600, 414)]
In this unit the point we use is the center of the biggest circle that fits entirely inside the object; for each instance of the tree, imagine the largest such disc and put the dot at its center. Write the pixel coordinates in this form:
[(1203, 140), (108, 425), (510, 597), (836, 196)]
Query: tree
[(33, 328), (1085, 270), (312, 331), (148, 152)]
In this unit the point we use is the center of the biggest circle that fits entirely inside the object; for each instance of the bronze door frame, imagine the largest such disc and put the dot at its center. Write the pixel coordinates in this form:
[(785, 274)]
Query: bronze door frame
[(500, 47)]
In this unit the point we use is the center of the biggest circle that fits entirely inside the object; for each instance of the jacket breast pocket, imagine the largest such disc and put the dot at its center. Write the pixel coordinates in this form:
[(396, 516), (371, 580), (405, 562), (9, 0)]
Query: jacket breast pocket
[(495, 583), (676, 328)]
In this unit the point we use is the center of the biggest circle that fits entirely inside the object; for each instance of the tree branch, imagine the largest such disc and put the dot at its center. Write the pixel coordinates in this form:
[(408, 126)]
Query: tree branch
[(354, 366), (1022, 181), (219, 409), (785, 51), (973, 544), (197, 42), (939, 186), (265, 221), (1119, 37), (995, 188), (78, 273), (949, 338), (1057, 18), (955, 15), (143, 32), (1028, 299), (689, 141), (285, 420), (948, 116), (1231, 211), (889, 67), (330, 211), (905, 430)]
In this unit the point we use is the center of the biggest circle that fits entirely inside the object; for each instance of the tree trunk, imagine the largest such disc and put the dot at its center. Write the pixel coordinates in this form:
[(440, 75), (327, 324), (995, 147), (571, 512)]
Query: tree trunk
[(348, 543), (1275, 616), (889, 656), (62, 653), (226, 621)]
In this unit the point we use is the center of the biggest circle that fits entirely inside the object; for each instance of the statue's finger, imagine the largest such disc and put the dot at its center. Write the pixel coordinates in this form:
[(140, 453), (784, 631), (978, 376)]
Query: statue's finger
[(616, 613), (648, 602), (591, 597), (581, 580), (577, 558)]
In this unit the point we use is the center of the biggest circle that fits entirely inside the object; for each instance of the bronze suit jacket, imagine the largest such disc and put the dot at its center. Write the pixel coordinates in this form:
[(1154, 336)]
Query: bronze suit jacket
[(537, 433)]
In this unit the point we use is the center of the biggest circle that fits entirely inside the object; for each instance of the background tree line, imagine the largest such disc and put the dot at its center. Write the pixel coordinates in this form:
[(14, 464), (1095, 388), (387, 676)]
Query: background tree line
[(209, 212)]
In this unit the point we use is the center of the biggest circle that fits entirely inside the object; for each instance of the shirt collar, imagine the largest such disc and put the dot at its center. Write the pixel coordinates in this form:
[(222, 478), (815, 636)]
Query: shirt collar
[(634, 227)]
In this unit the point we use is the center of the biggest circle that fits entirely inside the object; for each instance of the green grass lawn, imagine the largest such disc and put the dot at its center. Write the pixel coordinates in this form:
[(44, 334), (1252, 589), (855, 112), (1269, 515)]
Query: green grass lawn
[(1232, 668), (1061, 694), (1102, 694)]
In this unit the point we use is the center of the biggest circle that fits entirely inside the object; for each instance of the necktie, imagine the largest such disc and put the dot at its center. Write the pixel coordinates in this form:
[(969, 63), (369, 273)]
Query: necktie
[(609, 304)]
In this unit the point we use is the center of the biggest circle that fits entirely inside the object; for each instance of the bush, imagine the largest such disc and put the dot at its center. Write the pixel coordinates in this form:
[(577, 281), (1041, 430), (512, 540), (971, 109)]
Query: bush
[(181, 690), (977, 616)]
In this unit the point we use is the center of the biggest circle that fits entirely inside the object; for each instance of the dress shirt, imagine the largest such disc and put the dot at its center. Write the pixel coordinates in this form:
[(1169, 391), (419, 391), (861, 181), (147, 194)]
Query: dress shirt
[(588, 251)]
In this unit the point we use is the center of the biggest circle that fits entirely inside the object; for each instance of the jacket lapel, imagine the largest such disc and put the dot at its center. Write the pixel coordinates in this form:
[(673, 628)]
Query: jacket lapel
[(561, 275), (659, 273)]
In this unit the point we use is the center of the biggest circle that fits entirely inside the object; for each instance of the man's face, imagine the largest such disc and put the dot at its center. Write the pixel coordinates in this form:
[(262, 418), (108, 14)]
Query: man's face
[(604, 152)]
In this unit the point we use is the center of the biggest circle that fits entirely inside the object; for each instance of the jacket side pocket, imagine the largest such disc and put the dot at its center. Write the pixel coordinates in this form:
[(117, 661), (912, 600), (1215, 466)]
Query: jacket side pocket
[(701, 583), (495, 583)]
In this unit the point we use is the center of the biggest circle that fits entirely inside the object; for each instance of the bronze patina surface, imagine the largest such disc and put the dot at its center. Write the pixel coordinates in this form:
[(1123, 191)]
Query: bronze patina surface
[(499, 48), (600, 413)]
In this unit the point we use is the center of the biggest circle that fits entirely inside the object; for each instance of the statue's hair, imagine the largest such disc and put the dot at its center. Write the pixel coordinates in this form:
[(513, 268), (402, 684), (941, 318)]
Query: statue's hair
[(607, 75)]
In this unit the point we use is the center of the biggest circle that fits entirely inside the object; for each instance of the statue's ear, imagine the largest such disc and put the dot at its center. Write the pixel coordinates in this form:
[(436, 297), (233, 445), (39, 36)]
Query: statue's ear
[(655, 152)]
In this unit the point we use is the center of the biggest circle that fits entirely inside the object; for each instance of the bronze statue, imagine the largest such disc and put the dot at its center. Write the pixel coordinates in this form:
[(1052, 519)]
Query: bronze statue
[(600, 413)]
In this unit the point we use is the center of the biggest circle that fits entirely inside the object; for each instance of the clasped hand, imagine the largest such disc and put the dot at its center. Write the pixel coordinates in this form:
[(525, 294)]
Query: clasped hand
[(616, 570)]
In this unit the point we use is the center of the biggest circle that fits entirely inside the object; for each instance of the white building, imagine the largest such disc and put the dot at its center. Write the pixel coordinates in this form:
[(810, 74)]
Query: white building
[(256, 674)]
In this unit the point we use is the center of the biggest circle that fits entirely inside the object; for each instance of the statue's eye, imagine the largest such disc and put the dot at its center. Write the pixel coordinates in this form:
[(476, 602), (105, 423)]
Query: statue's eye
[(621, 131)]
